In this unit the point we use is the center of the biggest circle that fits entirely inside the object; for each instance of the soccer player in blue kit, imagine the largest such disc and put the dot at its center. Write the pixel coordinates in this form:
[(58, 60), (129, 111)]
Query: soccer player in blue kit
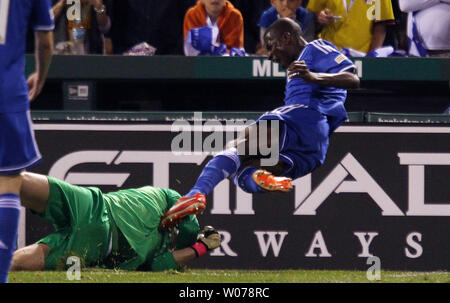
[(18, 150), (318, 76)]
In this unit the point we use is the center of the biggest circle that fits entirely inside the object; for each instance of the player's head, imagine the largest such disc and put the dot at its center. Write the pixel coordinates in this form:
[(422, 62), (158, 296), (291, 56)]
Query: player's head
[(286, 8), (213, 7), (283, 41)]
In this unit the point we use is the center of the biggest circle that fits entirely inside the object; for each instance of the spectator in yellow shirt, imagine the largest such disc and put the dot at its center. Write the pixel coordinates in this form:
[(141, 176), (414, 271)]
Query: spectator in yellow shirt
[(356, 24)]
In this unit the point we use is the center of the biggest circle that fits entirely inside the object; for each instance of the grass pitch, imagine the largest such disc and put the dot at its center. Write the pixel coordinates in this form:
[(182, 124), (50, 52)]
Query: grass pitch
[(229, 276)]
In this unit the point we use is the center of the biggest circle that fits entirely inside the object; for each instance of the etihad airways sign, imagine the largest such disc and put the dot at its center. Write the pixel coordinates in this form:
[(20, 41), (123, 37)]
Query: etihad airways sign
[(383, 192), (307, 199), (340, 175)]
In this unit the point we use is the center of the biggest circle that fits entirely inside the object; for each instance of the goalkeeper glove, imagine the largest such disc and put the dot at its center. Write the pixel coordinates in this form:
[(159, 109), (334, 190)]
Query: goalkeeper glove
[(207, 239)]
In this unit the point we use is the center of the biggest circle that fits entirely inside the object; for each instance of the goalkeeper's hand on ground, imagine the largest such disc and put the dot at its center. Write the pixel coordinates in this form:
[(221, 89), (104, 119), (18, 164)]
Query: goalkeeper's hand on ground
[(207, 239)]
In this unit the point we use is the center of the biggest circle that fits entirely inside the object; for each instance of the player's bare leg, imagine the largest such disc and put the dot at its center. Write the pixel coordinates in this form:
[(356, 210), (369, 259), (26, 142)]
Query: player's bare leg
[(30, 257), (9, 221), (34, 192), (10, 184)]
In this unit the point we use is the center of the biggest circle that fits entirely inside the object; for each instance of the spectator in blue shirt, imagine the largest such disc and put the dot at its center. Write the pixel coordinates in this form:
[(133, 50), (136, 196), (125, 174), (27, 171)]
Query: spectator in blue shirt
[(287, 9)]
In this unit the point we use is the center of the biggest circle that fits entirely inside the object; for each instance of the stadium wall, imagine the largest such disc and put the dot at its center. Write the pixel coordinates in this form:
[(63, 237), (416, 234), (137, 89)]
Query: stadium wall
[(214, 83)]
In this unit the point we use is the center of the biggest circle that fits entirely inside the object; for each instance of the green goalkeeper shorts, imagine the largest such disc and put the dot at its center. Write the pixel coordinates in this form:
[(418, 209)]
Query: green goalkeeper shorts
[(82, 225)]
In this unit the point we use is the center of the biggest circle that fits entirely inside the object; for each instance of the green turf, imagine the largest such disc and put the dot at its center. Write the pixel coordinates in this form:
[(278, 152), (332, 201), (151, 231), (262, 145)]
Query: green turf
[(229, 276)]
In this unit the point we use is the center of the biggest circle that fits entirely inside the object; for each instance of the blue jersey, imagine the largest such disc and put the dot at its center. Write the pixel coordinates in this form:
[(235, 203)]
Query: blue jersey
[(16, 16), (302, 15), (321, 56)]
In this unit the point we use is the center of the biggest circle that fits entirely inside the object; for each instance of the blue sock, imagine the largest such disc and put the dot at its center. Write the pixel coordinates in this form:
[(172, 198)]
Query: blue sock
[(9, 223), (218, 168), (245, 181)]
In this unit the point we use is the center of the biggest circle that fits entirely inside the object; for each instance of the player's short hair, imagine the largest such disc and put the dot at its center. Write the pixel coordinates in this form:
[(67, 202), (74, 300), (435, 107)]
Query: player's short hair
[(283, 25)]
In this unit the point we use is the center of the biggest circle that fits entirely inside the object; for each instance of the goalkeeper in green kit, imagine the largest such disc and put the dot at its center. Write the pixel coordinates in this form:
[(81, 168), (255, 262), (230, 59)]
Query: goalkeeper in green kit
[(113, 230)]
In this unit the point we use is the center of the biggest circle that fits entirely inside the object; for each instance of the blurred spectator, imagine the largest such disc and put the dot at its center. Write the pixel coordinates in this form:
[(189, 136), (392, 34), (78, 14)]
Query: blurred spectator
[(251, 11), (213, 27), (428, 27), (396, 34), (158, 23), (94, 20), (287, 9), (355, 24)]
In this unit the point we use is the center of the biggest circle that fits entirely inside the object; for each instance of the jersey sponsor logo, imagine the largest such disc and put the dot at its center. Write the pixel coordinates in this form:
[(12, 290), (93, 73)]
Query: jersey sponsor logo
[(340, 58)]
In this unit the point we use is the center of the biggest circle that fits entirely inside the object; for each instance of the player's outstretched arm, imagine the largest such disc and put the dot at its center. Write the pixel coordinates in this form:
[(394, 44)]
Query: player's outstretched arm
[(345, 80), (43, 54), (208, 239)]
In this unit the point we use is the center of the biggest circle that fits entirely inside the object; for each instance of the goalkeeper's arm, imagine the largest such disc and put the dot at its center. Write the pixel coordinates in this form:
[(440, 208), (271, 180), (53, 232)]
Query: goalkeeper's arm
[(208, 239)]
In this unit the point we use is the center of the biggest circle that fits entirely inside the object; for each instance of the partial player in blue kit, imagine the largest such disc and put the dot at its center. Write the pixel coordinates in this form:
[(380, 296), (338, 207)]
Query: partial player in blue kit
[(18, 149), (312, 111), (318, 77)]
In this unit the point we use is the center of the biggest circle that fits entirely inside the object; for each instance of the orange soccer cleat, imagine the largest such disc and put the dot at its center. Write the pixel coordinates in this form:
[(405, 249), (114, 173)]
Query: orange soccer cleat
[(184, 207), (269, 182)]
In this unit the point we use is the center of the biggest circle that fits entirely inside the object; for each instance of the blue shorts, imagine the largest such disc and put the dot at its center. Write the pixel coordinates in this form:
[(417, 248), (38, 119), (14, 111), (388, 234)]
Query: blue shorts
[(304, 138), (18, 149)]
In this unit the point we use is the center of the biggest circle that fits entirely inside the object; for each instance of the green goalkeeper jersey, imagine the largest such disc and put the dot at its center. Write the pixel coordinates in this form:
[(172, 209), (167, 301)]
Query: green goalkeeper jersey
[(137, 214)]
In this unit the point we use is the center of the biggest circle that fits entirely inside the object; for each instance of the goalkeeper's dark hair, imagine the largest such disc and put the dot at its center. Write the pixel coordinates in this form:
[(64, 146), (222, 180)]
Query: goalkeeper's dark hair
[(284, 25)]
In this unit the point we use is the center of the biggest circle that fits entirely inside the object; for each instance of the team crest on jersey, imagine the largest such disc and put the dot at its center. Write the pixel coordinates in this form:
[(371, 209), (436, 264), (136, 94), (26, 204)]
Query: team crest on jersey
[(339, 58)]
